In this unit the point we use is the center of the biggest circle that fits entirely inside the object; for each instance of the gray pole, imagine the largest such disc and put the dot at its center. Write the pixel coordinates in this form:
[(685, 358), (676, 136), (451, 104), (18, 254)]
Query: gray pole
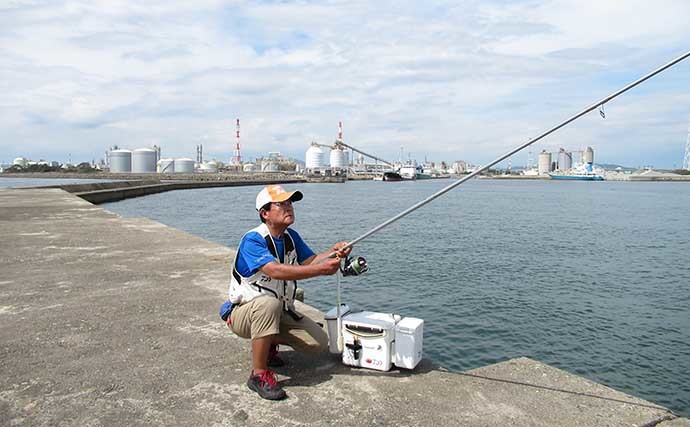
[(521, 147)]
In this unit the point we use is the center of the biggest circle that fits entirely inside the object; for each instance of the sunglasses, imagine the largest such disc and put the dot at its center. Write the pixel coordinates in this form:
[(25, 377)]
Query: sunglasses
[(283, 204)]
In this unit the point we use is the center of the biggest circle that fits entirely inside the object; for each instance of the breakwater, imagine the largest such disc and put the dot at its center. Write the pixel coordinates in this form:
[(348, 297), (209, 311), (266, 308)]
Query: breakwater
[(113, 321), (97, 193)]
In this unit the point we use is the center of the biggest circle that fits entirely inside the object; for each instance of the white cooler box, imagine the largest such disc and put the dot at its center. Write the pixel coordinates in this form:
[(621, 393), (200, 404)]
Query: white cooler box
[(379, 340), (332, 323), (409, 334)]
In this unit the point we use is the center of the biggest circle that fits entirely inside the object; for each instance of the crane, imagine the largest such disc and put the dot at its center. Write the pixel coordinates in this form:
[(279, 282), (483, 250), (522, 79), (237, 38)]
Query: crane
[(363, 153)]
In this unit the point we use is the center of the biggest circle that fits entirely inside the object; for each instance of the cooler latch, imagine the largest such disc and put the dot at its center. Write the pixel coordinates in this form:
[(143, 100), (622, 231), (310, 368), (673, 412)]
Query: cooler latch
[(355, 347)]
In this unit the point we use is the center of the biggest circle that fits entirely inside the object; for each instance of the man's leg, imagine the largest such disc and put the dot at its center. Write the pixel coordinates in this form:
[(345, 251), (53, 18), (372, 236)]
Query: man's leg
[(259, 319), (260, 348)]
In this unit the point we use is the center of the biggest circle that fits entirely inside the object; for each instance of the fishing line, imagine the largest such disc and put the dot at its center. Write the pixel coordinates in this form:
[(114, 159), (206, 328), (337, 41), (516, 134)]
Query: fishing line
[(339, 315), (446, 189), (358, 266)]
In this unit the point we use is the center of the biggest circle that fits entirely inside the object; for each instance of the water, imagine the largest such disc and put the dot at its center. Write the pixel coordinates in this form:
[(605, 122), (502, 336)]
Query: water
[(590, 277)]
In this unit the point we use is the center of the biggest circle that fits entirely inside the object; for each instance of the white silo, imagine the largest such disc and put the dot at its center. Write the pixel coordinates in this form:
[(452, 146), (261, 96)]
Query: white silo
[(166, 166), (339, 158), (316, 157), (589, 155), (208, 167), (120, 161), (144, 160), (544, 162), (565, 160), (20, 161), (184, 165)]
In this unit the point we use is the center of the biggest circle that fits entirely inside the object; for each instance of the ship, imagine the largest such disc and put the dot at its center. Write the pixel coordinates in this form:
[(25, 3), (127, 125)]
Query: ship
[(580, 173), (408, 171), (388, 176), (424, 171), (412, 171)]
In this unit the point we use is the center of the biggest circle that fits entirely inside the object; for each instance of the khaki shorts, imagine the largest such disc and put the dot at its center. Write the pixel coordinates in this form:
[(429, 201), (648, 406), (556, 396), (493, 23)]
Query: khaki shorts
[(264, 316)]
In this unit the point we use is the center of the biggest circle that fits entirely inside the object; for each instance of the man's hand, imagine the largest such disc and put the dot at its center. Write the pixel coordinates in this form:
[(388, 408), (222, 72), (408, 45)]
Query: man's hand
[(338, 249), (329, 266)]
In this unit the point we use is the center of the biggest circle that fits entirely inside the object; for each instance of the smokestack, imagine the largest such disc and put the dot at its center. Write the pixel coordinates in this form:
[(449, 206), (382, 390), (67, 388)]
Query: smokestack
[(237, 157)]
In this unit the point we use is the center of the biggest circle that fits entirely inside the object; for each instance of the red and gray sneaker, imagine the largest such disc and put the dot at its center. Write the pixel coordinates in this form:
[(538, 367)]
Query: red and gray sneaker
[(274, 361), (266, 385)]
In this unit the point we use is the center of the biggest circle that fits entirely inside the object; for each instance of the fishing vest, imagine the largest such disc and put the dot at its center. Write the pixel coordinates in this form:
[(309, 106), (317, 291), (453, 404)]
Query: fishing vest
[(244, 289)]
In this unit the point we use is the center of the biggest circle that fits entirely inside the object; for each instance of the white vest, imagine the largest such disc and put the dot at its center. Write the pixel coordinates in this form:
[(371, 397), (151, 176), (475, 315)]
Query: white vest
[(243, 289)]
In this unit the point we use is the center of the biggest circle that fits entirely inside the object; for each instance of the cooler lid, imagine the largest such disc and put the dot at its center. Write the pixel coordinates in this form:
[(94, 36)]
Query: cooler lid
[(333, 313), (409, 324), (369, 318)]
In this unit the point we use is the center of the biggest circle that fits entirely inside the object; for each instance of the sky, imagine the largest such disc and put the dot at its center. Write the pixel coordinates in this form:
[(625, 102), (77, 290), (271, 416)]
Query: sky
[(438, 80)]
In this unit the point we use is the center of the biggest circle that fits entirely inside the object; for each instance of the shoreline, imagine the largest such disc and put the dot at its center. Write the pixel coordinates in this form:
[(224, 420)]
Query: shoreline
[(292, 177), (117, 187)]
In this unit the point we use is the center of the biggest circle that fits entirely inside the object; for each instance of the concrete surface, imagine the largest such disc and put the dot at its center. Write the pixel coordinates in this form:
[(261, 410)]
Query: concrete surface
[(111, 321)]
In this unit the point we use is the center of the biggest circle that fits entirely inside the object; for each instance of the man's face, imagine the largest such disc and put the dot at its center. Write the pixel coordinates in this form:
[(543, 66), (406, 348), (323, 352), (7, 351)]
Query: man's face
[(280, 213)]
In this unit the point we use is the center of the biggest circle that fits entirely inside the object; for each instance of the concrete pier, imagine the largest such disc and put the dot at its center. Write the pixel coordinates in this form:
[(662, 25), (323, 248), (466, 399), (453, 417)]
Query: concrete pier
[(115, 191), (111, 321)]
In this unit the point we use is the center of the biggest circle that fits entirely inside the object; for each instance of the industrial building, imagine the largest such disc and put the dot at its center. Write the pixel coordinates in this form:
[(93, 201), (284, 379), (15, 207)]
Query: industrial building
[(563, 160)]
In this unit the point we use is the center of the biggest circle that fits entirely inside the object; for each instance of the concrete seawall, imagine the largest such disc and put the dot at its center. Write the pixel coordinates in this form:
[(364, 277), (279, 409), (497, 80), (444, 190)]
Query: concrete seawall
[(113, 321), (111, 192)]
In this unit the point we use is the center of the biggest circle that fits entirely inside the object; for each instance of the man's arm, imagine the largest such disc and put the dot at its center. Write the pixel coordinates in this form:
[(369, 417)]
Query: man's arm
[(337, 248), (279, 271)]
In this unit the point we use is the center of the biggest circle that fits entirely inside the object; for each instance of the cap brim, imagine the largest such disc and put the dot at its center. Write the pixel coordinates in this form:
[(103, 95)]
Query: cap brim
[(294, 196)]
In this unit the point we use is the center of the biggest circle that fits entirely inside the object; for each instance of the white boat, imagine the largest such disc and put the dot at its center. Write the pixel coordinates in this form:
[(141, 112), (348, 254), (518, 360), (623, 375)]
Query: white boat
[(408, 171), (579, 173)]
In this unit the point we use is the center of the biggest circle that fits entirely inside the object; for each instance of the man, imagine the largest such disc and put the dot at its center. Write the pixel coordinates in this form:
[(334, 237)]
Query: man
[(269, 260)]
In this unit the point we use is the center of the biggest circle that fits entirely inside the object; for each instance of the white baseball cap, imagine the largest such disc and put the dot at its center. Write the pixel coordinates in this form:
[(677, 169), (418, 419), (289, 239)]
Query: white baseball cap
[(276, 193)]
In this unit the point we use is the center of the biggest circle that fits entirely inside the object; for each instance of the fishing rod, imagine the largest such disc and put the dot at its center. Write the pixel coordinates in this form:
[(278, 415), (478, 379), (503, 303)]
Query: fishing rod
[(569, 120)]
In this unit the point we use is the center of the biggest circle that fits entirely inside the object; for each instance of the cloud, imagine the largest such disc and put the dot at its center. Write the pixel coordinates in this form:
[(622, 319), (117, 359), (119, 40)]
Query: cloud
[(448, 81)]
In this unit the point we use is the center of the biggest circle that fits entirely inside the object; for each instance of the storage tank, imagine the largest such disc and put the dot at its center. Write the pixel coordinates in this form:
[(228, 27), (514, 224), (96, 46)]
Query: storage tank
[(339, 158), (20, 161), (565, 160), (120, 161), (249, 167), (184, 165), (589, 155), (544, 162), (208, 167), (316, 157), (144, 160), (166, 166)]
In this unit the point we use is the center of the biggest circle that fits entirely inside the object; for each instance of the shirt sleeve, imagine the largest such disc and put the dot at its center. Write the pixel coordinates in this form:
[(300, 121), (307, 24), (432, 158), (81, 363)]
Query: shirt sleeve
[(303, 250), (253, 254)]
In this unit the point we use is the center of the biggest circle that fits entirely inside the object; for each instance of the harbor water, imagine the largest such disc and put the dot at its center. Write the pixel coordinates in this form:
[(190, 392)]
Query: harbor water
[(589, 277)]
